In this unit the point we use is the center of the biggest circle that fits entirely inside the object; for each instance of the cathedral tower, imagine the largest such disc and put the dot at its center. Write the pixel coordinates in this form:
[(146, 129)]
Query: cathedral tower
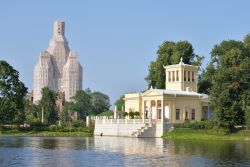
[(55, 64)]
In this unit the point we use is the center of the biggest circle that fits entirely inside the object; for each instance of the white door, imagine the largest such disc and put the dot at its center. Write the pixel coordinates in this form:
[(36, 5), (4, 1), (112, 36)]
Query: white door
[(166, 112)]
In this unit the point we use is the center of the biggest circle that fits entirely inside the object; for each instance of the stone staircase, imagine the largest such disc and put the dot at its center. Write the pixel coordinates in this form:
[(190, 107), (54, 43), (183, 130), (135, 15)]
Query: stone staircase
[(145, 131)]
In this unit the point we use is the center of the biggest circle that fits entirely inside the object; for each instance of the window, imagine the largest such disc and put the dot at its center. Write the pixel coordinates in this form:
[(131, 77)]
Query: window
[(192, 76), (186, 114), (173, 76), (169, 76), (177, 114), (177, 75), (193, 114), (188, 76), (185, 76)]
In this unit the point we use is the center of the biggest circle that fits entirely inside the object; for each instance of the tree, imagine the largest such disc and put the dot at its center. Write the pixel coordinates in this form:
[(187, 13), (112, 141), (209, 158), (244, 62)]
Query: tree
[(170, 53), (205, 81), (231, 60), (12, 93), (48, 105), (100, 102), (120, 103), (66, 112), (32, 113), (82, 103)]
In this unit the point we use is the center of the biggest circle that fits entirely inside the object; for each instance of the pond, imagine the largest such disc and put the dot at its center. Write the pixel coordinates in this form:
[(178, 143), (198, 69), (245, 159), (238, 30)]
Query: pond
[(119, 151)]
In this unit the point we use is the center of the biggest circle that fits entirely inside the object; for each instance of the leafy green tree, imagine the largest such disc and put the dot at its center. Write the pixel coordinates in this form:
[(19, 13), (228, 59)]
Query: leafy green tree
[(205, 81), (82, 103), (67, 110), (48, 104), (170, 53), (32, 112), (230, 82), (120, 103), (100, 102), (12, 93)]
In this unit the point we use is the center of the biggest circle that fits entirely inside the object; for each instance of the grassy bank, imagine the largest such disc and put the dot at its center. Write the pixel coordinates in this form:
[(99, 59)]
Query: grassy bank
[(85, 132), (206, 134)]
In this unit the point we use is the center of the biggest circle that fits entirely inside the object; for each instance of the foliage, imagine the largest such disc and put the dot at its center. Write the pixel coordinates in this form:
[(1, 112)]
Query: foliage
[(32, 112), (197, 125), (125, 114), (86, 103), (100, 102), (206, 79), (82, 103), (231, 82), (12, 93), (106, 113), (48, 104), (170, 53), (120, 102), (131, 114), (66, 112)]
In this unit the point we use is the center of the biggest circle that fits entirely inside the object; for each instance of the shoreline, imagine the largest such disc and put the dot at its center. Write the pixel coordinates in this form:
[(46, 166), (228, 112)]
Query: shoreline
[(47, 134), (202, 134)]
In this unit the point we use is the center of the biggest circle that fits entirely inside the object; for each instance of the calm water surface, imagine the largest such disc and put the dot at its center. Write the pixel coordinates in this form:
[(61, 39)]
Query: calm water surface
[(118, 151)]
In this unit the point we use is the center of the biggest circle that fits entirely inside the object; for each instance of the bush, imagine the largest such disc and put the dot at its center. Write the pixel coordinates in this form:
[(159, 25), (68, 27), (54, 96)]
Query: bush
[(77, 124), (196, 125), (106, 113)]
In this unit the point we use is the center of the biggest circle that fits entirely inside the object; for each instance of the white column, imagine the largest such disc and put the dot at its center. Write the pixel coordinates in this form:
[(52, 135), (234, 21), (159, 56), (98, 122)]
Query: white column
[(143, 111), (156, 110), (87, 121), (150, 112), (162, 111)]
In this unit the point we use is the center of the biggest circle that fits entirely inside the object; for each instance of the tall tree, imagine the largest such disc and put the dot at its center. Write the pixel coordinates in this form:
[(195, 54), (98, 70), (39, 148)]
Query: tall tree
[(100, 102), (48, 105), (170, 53), (12, 93), (82, 103), (230, 82), (206, 78)]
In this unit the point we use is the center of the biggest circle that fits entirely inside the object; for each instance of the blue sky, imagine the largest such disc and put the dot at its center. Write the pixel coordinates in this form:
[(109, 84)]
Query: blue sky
[(116, 40)]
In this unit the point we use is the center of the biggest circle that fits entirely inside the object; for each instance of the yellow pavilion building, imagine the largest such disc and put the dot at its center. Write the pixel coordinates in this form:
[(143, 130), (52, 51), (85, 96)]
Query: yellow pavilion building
[(178, 102)]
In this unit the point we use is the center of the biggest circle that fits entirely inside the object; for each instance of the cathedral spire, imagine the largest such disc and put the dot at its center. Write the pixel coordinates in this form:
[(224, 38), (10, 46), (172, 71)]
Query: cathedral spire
[(59, 28)]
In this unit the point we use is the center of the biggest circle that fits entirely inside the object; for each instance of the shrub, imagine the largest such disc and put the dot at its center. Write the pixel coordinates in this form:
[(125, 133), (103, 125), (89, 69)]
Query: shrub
[(196, 125), (77, 123)]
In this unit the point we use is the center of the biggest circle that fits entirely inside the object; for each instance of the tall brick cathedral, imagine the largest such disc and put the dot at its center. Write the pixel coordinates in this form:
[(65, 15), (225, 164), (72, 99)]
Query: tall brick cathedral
[(58, 67)]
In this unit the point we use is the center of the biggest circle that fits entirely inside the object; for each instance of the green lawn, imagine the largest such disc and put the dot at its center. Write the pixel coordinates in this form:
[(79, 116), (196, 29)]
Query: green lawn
[(202, 134), (45, 133)]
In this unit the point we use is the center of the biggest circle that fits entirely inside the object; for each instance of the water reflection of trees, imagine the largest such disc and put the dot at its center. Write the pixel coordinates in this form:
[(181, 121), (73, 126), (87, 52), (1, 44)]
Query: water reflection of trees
[(215, 149)]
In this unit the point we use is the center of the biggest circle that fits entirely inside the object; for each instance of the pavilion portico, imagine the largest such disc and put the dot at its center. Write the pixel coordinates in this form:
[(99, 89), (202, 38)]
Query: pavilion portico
[(157, 105)]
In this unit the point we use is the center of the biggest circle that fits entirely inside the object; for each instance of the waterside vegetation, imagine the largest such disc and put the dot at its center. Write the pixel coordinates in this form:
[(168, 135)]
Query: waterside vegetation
[(206, 130)]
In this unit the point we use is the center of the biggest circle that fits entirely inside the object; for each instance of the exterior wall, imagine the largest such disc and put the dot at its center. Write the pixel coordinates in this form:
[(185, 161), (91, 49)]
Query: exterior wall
[(122, 129), (191, 84), (133, 102), (72, 73), (43, 75), (112, 127), (184, 103)]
